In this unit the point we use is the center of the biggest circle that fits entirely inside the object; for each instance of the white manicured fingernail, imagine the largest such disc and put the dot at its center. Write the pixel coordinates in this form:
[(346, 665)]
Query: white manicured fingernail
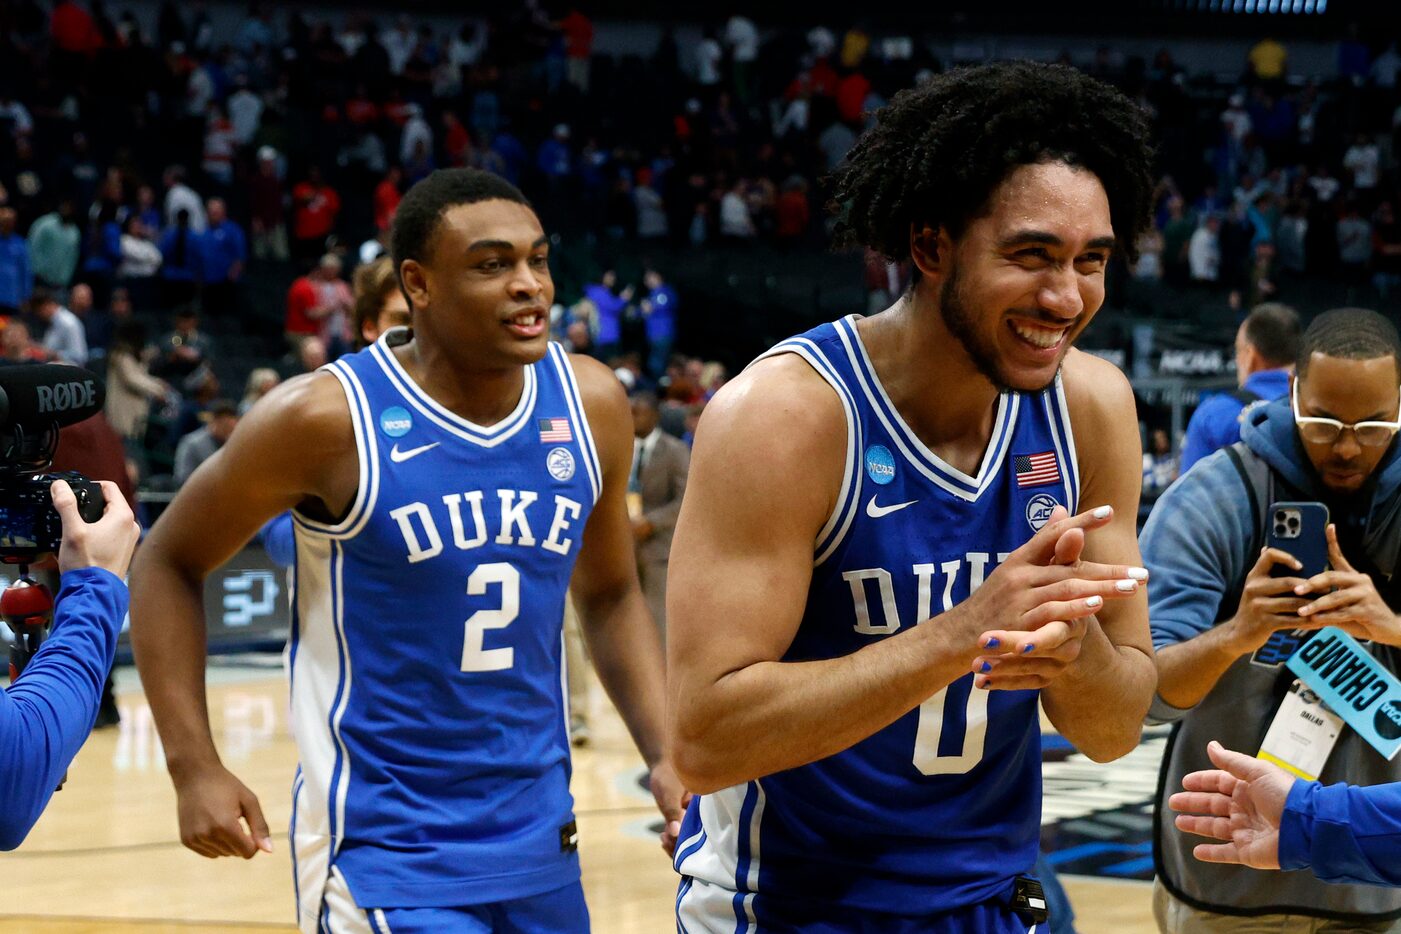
[(1138, 574), (1094, 601), (1102, 512), (1128, 586)]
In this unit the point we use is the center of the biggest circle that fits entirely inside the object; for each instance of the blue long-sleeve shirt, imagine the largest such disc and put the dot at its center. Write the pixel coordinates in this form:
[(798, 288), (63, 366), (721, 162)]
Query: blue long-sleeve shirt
[(220, 247), (1344, 833), (16, 276), (46, 715), (1216, 422)]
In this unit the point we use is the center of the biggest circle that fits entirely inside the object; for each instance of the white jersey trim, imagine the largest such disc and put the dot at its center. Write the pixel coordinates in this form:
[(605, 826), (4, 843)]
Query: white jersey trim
[(487, 436), (849, 497), (366, 452), (916, 453), (574, 401), (1060, 427)]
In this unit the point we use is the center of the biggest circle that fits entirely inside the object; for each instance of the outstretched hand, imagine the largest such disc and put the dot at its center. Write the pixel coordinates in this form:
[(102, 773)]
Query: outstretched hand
[(1241, 802)]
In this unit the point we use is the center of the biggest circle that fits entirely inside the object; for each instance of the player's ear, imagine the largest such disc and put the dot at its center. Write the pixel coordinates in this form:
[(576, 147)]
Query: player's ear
[(930, 249), (415, 280)]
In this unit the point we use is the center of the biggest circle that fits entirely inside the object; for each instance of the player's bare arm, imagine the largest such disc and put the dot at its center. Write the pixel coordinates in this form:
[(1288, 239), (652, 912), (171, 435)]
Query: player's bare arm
[(765, 475), (621, 636), (1099, 700), (294, 448)]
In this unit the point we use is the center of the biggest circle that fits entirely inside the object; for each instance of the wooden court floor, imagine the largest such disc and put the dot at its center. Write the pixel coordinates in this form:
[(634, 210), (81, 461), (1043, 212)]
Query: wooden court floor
[(106, 858)]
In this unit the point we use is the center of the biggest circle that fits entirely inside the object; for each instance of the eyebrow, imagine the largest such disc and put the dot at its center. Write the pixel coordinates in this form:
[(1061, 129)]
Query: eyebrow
[(503, 245), (1050, 239), (1375, 417)]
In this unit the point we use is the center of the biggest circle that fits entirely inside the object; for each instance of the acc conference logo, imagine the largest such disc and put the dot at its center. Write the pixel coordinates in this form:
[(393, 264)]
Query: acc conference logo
[(395, 421), (560, 463), (880, 464), (1038, 510)]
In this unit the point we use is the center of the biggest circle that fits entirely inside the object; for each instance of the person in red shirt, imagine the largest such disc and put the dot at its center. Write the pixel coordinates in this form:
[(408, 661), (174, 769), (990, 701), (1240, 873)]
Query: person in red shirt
[(315, 206), (851, 97), (457, 142), (578, 47), (73, 29), (387, 197)]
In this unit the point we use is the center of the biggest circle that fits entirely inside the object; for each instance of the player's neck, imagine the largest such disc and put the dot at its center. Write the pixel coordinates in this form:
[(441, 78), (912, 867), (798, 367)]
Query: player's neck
[(483, 396), (933, 383)]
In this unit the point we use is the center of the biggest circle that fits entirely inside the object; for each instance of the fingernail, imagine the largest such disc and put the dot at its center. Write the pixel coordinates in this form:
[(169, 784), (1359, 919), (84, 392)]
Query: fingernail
[(987, 666), (265, 845), (992, 643), (1030, 647), (1126, 586), (1096, 600), (1305, 610), (1138, 574), (1302, 589), (1103, 512)]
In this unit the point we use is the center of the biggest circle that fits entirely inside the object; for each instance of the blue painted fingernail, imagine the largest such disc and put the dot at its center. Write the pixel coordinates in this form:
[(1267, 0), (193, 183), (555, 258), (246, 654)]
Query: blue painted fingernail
[(992, 643), (1030, 648), (987, 666)]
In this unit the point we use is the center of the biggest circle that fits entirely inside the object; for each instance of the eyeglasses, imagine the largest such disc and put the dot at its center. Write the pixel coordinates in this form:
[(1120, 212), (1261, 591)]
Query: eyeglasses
[(1329, 430)]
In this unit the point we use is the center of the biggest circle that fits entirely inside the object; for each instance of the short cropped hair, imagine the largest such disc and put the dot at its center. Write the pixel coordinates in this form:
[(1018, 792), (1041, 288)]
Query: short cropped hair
[(421, 211), (1349, 334), (1273, 329), (938, 151)]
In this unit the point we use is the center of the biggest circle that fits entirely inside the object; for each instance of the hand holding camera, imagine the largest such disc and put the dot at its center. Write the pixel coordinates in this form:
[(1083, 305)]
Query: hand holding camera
[(106, 540)]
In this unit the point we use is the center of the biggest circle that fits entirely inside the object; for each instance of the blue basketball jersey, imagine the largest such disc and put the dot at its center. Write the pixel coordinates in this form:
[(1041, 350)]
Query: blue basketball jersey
[(426, 655), (941, 809)]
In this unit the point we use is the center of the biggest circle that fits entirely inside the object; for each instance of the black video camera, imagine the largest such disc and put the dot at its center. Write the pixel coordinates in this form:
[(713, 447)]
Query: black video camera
[(35, 402)]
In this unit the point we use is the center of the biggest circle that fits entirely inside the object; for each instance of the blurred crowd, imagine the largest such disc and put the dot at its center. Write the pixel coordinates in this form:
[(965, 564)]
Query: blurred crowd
[(152, 169)]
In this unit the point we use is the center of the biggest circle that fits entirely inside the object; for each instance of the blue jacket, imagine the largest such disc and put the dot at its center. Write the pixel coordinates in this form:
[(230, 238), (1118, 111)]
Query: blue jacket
[(661, 323), (610, 313), (47, 714), (1343, 833), (1216, 422), (16, 278), (219, 248)]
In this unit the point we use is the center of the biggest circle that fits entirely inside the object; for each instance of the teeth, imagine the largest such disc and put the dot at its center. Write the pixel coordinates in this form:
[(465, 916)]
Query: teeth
[(525, 320), (1041, 337)]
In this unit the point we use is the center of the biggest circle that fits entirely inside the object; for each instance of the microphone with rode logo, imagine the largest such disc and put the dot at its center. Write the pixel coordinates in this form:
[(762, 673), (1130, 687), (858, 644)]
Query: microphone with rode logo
[(38, 395)]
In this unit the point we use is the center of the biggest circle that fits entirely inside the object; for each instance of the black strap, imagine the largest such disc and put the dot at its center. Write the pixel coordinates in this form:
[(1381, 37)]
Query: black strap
[(1245, 396)]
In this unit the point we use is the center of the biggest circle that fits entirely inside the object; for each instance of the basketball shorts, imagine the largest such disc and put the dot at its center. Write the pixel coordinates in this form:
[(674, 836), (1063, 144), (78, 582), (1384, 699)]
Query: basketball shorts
[(560, 911)]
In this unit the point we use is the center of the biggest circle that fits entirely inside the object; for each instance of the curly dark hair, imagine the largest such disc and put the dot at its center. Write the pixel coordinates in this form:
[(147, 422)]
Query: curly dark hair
[(418, 215), (938, 151)]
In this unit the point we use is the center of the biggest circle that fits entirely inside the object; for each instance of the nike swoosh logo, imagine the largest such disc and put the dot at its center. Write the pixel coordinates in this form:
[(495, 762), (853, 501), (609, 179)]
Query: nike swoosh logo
[(875, 512), (398, 456)]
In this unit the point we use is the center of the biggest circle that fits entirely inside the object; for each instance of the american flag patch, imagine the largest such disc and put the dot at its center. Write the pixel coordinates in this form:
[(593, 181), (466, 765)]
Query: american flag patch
[(1036, 469), (554, 430)]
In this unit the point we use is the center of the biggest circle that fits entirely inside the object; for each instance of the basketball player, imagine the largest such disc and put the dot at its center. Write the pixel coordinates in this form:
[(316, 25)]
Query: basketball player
[(888, 504), (444, 489)]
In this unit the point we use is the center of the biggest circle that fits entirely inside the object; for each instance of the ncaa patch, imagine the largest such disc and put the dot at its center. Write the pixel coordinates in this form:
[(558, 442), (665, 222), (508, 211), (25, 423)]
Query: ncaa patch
[(880, 464), (1038, 510), (560, 463), (395, 421)]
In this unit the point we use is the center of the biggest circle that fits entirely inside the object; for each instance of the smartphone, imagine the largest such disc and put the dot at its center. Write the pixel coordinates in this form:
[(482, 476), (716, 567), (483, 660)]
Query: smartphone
[(1300, 530)]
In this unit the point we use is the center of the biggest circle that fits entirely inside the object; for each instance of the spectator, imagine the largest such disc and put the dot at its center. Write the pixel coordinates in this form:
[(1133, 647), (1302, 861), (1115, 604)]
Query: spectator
[(1159, 465), (54, 245), (310, 356), (223, 251), (792, 212), (181, 197), (16, 278), (651, 209), (1363, 159), (387, 197), (99, 324), (1224, 625), (182, 356), (267, 217), (608, 310), (141, 260), (180, 249), (578, 48), (260, 382), (220, 143), (320, 304), (65, 338), (735, 220), (18, 346), (379, 301), (656, 486), (1204, 250), (417, 135), (659, 309), (1266, 344), (1386, 250), (1354, 244), (203, 443), (315, 207), (245, 111), (131, 389)]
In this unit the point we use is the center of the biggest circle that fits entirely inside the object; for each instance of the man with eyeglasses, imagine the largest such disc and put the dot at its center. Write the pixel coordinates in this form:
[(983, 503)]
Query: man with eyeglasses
[(1226, 613)]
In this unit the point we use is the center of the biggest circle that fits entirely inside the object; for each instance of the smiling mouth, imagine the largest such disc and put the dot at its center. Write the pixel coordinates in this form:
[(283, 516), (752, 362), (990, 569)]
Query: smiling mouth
[(526, 320), (1037, 335)]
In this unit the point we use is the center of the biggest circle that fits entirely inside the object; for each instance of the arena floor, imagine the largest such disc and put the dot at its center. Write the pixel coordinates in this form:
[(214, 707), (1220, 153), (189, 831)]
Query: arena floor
[(106, 858)]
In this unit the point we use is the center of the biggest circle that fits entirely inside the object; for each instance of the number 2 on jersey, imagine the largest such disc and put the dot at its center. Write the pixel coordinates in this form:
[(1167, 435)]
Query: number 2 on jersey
[(475, 657)]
